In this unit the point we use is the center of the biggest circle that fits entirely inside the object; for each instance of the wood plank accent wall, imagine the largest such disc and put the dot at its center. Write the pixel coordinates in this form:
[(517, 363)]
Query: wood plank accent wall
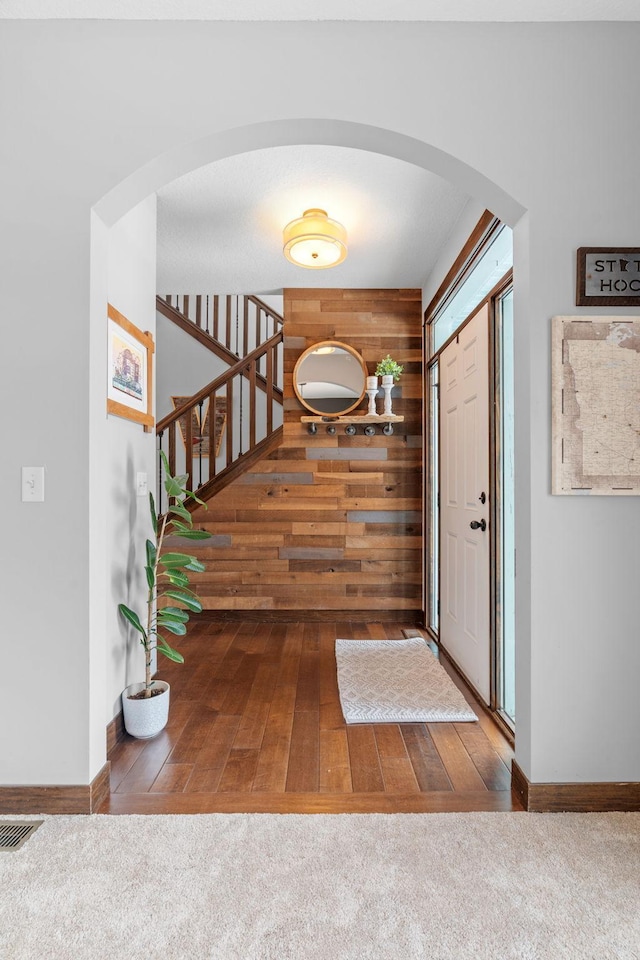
[(328, 525)]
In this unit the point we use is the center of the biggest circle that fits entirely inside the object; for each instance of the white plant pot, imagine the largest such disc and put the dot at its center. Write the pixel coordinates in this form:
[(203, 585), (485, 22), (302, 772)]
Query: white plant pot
[(145, 718)]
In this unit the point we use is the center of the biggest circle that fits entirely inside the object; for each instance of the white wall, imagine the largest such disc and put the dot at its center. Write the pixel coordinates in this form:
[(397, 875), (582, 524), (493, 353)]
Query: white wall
[(541, 114), (184, 365), (123, 274), (132, 291), (469, 216)]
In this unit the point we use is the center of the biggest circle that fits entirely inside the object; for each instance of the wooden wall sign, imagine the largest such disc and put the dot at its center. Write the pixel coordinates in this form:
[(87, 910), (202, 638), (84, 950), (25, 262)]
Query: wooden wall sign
[(608, 276)]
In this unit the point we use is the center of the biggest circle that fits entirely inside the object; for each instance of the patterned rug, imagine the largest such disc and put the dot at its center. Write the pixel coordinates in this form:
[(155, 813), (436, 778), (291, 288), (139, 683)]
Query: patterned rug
[(396, 681)]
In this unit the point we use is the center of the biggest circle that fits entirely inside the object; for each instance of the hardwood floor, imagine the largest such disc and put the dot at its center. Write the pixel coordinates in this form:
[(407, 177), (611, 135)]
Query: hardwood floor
[(256, 726)]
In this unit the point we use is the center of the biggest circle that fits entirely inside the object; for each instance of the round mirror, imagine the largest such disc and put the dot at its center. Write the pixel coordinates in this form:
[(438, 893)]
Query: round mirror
[(330, 378)]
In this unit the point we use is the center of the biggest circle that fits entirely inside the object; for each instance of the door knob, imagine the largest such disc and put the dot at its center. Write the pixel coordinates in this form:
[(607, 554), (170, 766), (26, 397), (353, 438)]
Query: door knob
[(478, 524)]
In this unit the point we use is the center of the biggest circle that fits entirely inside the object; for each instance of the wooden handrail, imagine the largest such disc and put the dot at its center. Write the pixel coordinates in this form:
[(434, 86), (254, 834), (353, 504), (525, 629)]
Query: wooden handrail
[(222, 322), (266, 309), (222, 424), (213, 434), (238, 367), (171, 313), (211, 343)]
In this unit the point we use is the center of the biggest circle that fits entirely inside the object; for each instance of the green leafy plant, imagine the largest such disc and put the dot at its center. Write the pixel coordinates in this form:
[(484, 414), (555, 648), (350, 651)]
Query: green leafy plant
[(389, 368), (168, 576)]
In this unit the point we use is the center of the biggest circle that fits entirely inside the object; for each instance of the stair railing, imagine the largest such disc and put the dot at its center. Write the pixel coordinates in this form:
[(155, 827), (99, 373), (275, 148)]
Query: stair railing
[(207, 435), (239, 322)]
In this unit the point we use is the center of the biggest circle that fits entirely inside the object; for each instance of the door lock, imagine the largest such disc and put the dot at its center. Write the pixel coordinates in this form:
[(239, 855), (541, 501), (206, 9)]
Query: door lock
[(478, 524), (483, 497)]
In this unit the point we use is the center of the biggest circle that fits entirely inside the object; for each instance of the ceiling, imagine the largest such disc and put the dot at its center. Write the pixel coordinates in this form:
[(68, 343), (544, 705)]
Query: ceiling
[(220, 227), (418, 10)]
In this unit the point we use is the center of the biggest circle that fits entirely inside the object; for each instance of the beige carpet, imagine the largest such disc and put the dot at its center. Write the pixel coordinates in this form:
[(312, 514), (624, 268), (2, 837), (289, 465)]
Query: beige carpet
[(487, 886), (396, 681)]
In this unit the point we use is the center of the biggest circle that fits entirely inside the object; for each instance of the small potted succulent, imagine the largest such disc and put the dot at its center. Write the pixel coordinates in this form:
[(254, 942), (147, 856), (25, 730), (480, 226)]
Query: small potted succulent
[(145, 706), (389, 370)]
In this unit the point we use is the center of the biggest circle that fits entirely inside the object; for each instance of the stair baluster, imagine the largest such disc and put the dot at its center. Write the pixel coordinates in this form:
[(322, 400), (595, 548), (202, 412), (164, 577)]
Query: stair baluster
[(160, 486), (228, 399)]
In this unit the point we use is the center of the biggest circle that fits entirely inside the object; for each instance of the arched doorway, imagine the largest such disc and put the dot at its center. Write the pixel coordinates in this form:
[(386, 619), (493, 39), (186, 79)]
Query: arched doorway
[(229, 143)]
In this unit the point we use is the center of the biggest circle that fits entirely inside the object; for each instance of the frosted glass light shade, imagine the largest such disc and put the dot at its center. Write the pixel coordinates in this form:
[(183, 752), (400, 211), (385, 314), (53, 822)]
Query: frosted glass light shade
[(314, 241)]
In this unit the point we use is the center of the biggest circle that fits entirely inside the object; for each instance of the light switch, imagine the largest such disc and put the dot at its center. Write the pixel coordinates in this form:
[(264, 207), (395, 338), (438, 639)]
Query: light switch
[(32, 484), (142, 484)]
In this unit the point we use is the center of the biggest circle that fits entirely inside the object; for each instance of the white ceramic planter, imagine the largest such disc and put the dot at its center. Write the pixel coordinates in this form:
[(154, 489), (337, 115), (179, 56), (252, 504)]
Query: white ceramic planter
[(145, 718)]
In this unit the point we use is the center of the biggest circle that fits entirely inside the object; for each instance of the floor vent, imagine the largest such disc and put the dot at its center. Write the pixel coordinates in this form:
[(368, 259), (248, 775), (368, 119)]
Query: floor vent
[(13, 834)]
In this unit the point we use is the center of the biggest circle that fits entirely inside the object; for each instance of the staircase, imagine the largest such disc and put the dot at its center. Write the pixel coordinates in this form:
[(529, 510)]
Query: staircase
[(233, 421)]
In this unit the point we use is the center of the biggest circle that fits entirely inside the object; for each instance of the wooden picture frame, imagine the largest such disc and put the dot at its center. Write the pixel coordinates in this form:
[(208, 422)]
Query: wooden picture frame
[(608, 277), (130, 370), (595, 426)]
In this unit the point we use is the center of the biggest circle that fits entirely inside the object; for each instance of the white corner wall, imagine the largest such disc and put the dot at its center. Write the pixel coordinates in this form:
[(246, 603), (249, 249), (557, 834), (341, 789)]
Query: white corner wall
[(462, 229), (123, 273), (560, 141), (132, 291)]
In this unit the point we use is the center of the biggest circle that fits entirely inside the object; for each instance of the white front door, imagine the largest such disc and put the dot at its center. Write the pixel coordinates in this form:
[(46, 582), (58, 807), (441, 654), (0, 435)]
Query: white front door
[(464, 517)]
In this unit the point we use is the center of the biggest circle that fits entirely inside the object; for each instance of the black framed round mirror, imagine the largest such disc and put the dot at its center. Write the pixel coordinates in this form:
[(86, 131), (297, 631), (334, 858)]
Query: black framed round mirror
[(330, 378)]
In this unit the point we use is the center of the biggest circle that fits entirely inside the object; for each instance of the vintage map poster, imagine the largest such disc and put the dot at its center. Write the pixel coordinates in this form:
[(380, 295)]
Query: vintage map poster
[(595, 368)]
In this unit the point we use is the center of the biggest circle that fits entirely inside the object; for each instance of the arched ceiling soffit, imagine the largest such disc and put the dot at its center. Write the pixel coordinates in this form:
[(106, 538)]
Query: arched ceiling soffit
[(398, 197)]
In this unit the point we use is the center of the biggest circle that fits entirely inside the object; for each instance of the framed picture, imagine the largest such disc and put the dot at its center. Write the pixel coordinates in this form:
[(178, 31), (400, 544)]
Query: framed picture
[(608, 277), (200, 432), (129, 387), (595, 376)]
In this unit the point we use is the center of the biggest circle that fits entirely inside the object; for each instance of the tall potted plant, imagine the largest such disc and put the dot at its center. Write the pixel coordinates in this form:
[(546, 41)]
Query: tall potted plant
[(170, 601)]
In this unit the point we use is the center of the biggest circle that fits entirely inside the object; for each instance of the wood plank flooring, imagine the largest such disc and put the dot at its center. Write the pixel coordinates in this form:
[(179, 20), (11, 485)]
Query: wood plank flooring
[(256, 726)]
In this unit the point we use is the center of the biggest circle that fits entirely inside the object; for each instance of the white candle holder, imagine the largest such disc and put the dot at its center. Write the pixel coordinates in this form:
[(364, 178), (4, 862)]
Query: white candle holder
[(372, 389), (372, 412), (387, 386)]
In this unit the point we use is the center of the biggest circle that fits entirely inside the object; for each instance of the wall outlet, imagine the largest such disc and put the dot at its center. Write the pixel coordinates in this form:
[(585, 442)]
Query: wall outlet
[(32, 484), (142, 484)]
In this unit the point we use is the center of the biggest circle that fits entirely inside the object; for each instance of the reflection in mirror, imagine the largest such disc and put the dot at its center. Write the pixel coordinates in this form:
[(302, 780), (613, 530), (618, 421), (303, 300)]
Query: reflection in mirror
[(330, 378)]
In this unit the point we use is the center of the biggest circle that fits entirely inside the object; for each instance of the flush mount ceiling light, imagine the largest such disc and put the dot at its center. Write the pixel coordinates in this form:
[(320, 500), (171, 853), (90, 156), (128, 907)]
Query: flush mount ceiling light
[(314, 241)]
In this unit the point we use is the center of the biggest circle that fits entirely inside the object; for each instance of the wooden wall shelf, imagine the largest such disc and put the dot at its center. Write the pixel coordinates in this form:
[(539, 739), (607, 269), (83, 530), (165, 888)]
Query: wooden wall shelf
[(358, 418), (385, 421)]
